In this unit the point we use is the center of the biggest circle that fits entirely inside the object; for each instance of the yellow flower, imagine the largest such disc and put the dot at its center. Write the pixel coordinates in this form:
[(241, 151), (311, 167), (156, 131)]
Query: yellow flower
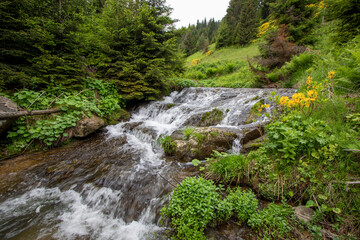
[(195, 62), (309, 81), (298, 97), (267, 105), (209, 53), (284, 100), (331, 74), (291, 103)]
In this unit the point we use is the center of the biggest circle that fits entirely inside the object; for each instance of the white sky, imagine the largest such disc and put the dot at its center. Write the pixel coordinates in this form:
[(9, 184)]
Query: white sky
[(188, 11)]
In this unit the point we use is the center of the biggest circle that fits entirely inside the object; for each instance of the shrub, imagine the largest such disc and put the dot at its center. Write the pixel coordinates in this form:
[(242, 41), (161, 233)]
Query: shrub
[(193, 207), (272, 222), (211, 72), (244, 204), (294, 137)]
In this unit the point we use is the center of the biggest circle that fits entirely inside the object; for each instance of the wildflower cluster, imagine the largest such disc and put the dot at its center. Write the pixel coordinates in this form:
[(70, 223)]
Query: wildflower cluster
[(262, 107), (331, 74), (209, 53), (195, 62), (303, 100), (266, 27)]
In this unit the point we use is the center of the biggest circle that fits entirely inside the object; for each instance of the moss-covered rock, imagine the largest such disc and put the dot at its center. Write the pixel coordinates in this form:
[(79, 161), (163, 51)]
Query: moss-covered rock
[(202, 142), (206, 119), (118, 116)]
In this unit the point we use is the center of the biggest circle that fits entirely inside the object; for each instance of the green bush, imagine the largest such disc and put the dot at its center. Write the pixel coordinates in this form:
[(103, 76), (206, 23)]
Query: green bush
[(211, 72), (294, 136), (273, 222), (244, 204), (184, 83), (193, 207), (49, 130)]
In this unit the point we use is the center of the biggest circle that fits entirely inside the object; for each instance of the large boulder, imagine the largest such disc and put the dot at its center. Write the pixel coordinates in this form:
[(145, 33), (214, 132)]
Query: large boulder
[(202, 142), (7, 105), (86, 126)]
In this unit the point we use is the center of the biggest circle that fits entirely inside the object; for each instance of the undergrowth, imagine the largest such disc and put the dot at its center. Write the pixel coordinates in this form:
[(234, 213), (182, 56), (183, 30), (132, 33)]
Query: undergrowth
[(99, 98)]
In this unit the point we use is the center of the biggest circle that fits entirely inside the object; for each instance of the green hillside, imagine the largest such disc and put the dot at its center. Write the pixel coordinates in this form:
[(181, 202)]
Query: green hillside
[(225, 67)]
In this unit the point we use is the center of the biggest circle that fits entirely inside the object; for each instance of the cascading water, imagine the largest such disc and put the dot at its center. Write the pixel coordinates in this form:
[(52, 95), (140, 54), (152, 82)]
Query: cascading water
[(113, 185)]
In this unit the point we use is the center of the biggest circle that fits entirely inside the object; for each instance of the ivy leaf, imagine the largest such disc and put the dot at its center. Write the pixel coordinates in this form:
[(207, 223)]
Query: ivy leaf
[(195, 162), (310, 203), (336, 210)]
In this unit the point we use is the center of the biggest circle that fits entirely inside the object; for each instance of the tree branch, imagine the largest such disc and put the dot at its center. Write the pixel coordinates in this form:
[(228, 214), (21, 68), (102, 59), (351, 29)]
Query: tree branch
[(8, 115)]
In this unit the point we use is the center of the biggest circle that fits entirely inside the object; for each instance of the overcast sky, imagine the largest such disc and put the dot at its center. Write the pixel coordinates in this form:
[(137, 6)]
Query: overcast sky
[(188, 11)]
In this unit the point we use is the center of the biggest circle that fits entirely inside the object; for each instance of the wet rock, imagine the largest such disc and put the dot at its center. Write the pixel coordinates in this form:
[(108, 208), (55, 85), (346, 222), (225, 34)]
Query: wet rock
[(228, 231), (87, 126), (252, 145), (202, 142), (6, 105), (252, 134), (206, 119), (304, 213), (167, 106)]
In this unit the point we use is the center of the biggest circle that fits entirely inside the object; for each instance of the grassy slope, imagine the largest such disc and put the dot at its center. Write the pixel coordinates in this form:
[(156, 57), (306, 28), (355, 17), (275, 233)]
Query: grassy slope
[(226, 67), (225, 54)]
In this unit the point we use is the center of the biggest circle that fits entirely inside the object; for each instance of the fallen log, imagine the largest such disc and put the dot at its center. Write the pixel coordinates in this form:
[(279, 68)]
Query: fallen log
[(9, 115)]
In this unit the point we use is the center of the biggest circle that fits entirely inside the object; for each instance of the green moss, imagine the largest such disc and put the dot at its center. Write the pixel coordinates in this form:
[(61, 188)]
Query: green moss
[(118, 116), (211, 118)]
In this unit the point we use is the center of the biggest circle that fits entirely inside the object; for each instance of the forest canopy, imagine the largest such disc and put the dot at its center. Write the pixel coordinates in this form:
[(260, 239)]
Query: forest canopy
[(48, 43)]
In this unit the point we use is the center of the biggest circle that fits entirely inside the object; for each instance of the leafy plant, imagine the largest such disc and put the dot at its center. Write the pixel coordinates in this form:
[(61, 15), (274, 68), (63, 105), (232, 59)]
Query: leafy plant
[(244, 204), (230, 168), (273, 222), (168, 144), (188, 131), (193, 207)]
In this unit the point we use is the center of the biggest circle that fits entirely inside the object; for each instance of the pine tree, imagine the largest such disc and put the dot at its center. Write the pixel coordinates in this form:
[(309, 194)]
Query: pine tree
[(239, 26)]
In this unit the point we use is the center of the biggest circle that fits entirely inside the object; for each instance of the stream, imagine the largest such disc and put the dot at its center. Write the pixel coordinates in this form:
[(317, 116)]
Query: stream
[(112, 185)]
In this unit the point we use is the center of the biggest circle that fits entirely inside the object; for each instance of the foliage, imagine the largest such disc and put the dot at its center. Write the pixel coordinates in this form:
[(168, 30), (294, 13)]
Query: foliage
[(239, 25), (59, 43), (180, 83), (230, 168), (348, 13), (51, 130), (188, 131), (168, 144), (294, 136), (298, 16), (273, 222), (198, 37), (244, 204), (193, 207)]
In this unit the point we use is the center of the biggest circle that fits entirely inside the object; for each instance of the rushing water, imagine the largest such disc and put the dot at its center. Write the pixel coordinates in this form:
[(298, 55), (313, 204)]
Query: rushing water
[(113, 185)]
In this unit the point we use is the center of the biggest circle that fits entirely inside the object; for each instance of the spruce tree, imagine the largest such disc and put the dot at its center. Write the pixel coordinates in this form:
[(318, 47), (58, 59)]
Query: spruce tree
[(239, 26)]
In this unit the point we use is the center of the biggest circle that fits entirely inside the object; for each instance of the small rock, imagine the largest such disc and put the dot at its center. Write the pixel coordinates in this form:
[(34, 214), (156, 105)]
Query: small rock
[(252, 134), (87, 126), (304, 213)]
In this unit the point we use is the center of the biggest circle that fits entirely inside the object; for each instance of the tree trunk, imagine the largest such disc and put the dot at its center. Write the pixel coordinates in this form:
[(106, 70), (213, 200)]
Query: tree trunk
[(8, 115)]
